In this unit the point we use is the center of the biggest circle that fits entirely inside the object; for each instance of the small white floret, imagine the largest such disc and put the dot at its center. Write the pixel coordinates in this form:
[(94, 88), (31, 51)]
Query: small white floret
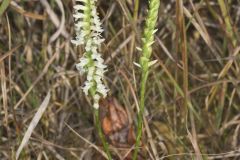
[(88, 32), (152, 63)]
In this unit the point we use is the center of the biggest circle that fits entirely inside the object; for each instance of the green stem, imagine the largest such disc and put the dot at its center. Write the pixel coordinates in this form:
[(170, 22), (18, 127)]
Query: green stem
[(148, 39), (99, 129), (140, 114), (100, 133)]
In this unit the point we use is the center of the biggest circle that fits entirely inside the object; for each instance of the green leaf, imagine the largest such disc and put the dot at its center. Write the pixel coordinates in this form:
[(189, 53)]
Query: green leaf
[(4, 5)]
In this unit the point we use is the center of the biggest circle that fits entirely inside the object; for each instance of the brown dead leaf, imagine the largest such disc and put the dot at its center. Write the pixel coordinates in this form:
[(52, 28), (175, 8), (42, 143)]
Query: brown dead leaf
[(117, 128), (115, 123), (113, 116)]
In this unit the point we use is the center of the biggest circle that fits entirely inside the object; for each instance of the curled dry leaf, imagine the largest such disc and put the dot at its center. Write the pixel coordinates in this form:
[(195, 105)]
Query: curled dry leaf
[(116, 126), (115, 123), (107, 126)]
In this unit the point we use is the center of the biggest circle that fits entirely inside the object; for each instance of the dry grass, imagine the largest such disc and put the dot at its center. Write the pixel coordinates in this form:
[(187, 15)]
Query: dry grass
[(192, 97)]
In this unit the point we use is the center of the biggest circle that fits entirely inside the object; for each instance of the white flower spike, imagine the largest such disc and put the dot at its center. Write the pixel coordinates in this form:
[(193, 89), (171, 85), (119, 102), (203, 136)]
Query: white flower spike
[(88, 32)]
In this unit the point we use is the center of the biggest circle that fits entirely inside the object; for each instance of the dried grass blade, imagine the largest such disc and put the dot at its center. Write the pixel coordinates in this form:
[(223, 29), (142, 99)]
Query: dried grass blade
[(33, 123)]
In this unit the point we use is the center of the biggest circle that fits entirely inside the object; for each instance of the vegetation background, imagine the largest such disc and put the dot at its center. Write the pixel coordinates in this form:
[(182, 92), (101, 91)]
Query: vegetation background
[(192, 94)]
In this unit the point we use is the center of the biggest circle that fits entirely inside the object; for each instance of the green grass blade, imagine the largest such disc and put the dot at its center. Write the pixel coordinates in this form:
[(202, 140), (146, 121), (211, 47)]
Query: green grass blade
[(4, 6)]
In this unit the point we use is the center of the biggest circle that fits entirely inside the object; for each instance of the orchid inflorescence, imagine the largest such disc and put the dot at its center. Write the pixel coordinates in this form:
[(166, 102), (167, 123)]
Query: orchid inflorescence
[(145, 63), (88, 33)]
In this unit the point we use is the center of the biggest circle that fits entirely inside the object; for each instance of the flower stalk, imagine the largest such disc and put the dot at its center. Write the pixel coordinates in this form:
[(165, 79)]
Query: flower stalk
[(88, 33), (145, 63)]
